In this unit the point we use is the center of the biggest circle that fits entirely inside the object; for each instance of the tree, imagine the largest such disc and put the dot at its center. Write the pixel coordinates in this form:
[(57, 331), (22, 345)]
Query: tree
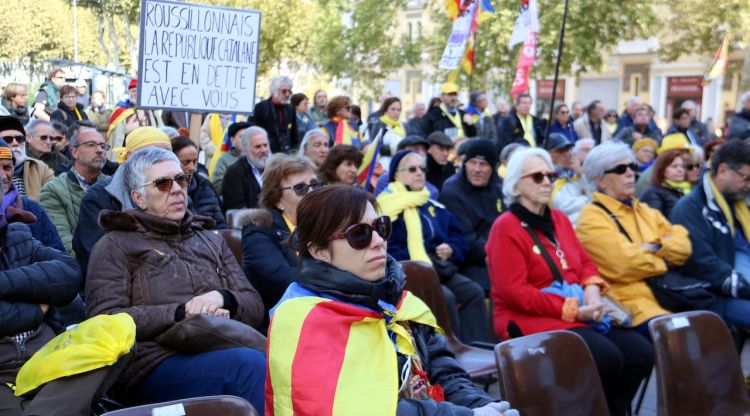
[(593, 27)]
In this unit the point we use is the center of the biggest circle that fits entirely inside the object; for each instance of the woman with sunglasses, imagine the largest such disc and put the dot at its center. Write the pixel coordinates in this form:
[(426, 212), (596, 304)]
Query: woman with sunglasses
[(611, 120), (269, 264), (668, 182), (543, 280), (68, 109), (424, 230), (694, 165), (359, 343), (563, 124), (159, 264), (203, 198), (340, 127)]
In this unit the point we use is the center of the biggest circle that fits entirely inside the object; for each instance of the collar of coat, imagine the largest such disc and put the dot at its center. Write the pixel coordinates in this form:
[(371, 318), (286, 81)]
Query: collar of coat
[(138, 220)]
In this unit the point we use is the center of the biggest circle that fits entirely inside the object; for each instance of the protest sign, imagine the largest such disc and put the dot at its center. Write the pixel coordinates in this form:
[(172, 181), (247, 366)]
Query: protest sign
[(456, 46), (197, 58)]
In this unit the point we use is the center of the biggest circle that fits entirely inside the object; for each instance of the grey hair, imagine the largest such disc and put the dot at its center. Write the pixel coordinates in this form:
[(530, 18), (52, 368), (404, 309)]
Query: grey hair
[(170, 131), (250, 132), (277, 82), (687, 103), (509, 149), (632, 100), (475, 96), (745, 96), (134, 169), (75, 138), (515, 170), (697, 153), (604, 157), (35, 124), (414, 107), (306, 139), (579, 144)]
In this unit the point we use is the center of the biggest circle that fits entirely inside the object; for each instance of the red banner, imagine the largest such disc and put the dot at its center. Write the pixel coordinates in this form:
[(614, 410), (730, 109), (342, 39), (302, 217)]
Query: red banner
[(526, 60)]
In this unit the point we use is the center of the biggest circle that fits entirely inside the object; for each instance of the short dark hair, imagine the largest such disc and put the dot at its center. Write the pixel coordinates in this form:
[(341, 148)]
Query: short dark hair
[(592, 106), (734, 153), (434, 102), (678, 112), (387, 103), (313, 229), (181, 142), (559, 107), (475, 96), (68, 89), (660, 166), (518, 99), (297, 99), (337, 156)]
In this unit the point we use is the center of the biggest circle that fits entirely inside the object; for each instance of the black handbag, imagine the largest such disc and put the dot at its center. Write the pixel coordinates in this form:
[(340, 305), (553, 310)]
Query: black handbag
[(673, 290)]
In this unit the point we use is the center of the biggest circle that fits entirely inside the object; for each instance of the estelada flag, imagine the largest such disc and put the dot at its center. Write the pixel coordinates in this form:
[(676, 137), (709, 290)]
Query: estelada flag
[(719, 64), (370, 161), (327, 357)]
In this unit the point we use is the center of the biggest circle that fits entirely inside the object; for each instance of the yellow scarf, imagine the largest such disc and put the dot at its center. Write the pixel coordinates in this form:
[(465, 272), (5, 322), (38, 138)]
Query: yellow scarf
[(455, 119), (394, 125), (684, 187), (288, 223), (740, 208), (396, 200), (218, 130), (528, 127)]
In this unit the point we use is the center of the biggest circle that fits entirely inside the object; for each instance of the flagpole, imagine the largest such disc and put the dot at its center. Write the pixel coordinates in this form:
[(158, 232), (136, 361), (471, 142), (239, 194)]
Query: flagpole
[(557, 70)]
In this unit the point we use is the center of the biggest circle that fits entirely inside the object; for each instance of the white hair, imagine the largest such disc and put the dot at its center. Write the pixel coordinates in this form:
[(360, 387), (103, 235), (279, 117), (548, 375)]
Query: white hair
[(687, 104), (632, 100), (277, 82), (311, 134), (697, 153), (604, 157), (745, 96), (170, 131), (580, 143), (515, 170), (250, 132), (140, 162)]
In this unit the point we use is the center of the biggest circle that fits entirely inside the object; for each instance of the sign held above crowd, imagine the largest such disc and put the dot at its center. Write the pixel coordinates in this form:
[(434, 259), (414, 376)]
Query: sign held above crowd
[(197, 58)]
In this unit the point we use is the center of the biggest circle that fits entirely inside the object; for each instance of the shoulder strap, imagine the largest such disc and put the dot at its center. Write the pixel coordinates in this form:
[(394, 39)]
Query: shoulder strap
[(614, 218), (543, 251)]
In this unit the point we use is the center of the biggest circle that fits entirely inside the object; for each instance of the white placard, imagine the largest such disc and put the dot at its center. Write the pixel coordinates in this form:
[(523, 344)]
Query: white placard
[(197, 58)]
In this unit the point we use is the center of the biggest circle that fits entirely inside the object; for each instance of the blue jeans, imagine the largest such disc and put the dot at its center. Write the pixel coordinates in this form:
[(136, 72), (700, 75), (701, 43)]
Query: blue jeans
[(238, 372), (734, 311)]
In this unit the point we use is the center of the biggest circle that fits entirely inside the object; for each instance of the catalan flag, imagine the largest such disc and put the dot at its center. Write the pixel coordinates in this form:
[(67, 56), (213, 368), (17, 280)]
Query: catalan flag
[(340, 131), (719, 64), (370, 162), (220, 138), (327, 357)]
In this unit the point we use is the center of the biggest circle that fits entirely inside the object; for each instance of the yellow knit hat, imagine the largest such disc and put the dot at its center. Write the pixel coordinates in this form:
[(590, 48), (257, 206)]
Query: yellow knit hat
[(644, 142), (674, 141), (141, 137)]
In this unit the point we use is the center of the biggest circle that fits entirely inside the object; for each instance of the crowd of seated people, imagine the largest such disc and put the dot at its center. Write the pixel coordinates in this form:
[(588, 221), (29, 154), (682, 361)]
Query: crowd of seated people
[(533, 230)]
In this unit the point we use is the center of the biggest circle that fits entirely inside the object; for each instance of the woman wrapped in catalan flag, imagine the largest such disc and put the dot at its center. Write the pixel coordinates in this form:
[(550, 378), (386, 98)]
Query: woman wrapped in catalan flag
[(346, 339)]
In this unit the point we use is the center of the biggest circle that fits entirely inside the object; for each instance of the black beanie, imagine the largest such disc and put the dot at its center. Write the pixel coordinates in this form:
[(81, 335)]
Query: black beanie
[(395, 160), (11, 123), (482, 148)]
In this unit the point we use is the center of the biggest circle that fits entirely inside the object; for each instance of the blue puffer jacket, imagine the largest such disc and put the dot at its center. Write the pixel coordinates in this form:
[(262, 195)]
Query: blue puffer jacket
[(43, 229), (438, 226), (713, 249), (204, 200)]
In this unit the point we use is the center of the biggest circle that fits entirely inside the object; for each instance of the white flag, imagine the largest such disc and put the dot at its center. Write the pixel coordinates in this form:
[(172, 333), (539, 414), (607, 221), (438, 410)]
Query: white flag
[(527, 21)]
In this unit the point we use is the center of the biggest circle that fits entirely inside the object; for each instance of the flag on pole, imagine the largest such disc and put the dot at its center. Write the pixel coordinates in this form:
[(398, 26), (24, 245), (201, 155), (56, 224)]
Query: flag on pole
[(527, 21), (527, 55), (370, 161), (466, 16), (719, 64)]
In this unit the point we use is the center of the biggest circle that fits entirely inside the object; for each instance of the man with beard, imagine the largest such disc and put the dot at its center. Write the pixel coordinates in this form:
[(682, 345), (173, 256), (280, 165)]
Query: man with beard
[(318, 110), (446, 117), (277, 117), (62, 196), (29, 175), (243, 181), (717, 217)]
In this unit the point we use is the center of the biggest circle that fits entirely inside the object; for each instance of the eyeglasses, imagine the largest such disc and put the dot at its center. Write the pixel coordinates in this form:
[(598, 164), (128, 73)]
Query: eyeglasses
[(538, 177), (300, 189), (692, 166), (59, 139), (90, 145), (359, 236), (285, 91), (45, 138), (165, 184), (413, 169), (564, 112), (19, 139), (745, 177), (70, 97), (622, 168)]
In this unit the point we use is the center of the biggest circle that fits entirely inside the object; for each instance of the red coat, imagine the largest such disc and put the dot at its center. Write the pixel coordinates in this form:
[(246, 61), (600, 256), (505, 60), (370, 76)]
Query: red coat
[(517, 274)]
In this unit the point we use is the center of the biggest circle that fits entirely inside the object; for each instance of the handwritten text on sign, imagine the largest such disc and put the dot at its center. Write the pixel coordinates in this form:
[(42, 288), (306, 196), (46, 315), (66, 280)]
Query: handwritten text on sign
[(197, 58)]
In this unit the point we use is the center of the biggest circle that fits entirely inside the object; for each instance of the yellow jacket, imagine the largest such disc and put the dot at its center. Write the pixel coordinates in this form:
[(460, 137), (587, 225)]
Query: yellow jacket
[(625, 264), (36, 174)]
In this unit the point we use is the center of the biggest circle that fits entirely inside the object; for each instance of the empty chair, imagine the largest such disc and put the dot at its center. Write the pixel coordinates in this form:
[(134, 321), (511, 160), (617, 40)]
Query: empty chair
[(550, 374), (199, 406), (423, 281), (234, 241), (697, 368)]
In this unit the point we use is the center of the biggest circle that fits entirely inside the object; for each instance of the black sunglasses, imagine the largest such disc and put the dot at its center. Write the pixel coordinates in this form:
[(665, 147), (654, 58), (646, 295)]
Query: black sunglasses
[(538, 177), (692, 166), (165, 184), (20, 139), (300, 189), (45, 137), (413, 169), (359, 235), (621, 169)]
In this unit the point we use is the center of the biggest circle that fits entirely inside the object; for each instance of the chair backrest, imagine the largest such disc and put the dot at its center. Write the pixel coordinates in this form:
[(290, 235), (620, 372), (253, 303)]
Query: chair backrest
[(234, 241), (550, 374), (424, 283), (697, 367), (199, 406)]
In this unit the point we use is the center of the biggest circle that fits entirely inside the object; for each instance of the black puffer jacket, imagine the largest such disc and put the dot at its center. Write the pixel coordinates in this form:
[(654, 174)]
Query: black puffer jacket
[(31, 274), (461, 395), (204, 200), (661, 198)]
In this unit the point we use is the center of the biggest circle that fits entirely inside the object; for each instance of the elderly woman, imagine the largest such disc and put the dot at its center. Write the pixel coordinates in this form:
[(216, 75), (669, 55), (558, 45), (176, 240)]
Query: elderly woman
[(315, 146), (203, 198), (350, 307), (694, 165), (573, 195), (341, 165), (340, 128), (553, 284), (645, 152), (424, 230), (269, 264), (668, 182), (646, 245), (69, 110), (163, 267)]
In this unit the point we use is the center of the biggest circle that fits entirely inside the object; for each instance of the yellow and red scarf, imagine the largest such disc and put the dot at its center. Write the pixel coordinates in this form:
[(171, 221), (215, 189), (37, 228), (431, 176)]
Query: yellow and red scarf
[(340, 131)]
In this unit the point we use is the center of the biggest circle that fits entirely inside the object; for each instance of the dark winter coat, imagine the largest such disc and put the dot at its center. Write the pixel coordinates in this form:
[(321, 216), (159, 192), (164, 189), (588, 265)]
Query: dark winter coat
[(435, 120), (437, 173), (567, 131), (739, 125), (66, 115), (239, 188), (204, 200), (43, 229), (268, 262), (282, 134), (511, 131), (476, 209), (21, 113), (661, 198), (149, 267), (31, 274)]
